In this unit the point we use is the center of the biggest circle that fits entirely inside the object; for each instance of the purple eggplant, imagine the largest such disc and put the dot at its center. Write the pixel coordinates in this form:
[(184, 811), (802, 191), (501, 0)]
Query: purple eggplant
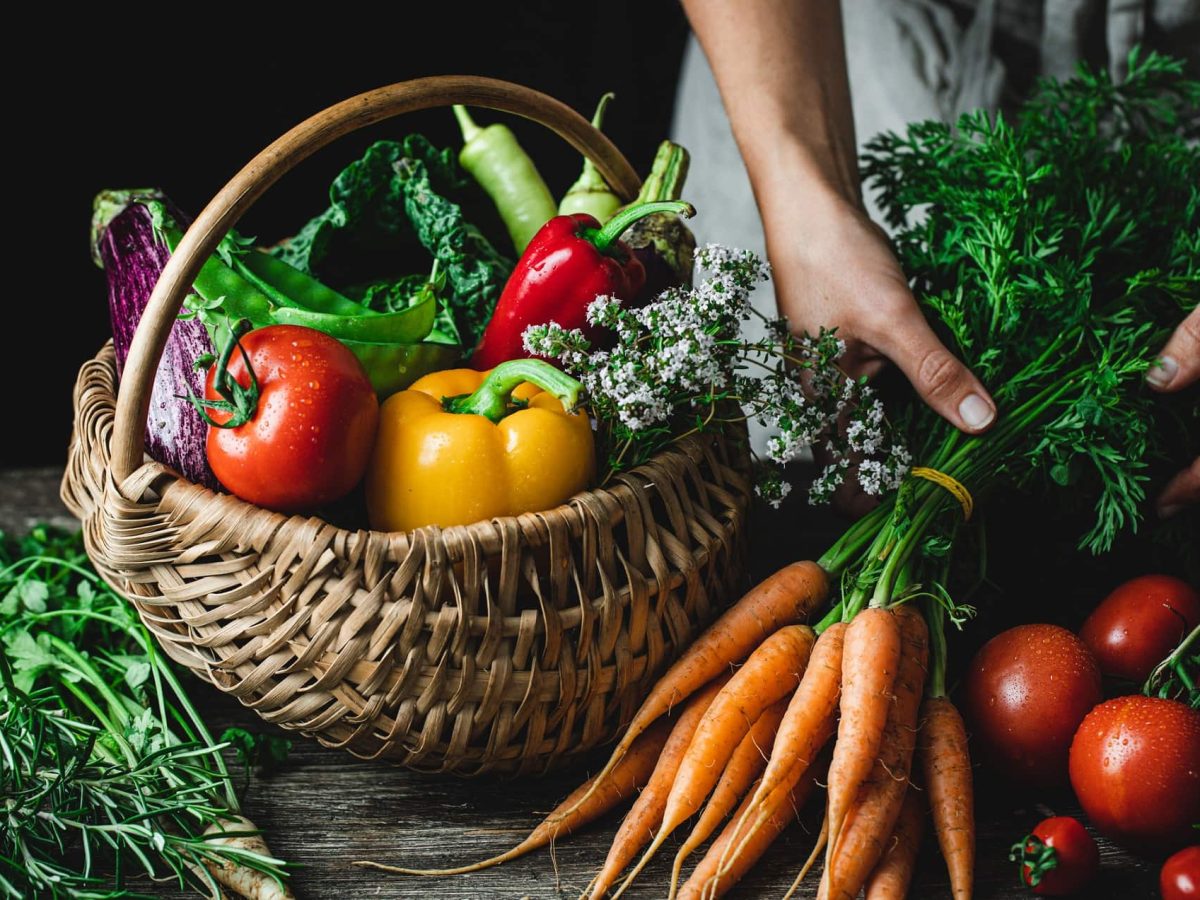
[(127, 246)]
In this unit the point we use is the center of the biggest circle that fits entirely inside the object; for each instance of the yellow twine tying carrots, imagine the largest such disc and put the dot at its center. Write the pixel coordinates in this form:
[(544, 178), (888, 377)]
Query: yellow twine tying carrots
[(953, 485)]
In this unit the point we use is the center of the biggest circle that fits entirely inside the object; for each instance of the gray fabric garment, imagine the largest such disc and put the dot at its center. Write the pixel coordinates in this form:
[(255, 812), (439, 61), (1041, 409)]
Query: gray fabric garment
[(910, 60)]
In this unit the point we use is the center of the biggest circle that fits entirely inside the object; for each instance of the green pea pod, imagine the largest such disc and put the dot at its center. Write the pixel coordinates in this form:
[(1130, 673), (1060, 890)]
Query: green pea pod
[(404, 327), (393, 367), (291, 287), (507, 174)]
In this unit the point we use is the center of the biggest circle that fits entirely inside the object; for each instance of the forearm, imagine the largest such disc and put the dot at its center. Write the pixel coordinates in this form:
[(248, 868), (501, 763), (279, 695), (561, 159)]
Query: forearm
[(781, 68)]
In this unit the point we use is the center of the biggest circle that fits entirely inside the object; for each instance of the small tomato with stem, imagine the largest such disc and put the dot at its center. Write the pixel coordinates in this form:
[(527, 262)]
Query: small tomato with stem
[(1057, 858)]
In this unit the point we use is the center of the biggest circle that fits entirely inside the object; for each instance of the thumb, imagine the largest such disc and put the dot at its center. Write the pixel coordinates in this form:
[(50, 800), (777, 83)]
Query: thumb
[(1179, 362), (943, 382)]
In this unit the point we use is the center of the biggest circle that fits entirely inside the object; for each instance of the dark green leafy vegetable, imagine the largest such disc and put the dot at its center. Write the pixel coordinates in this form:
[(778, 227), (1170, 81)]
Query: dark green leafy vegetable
[(400, 192), (475, 270), (107, 767), (366, 201)]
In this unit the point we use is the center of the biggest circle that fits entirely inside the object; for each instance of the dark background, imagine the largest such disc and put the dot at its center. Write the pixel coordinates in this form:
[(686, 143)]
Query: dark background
[(135, 103)]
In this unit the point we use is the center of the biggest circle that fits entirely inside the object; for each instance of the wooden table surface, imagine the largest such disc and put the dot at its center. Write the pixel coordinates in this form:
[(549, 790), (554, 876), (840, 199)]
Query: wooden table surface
[(323, 809)]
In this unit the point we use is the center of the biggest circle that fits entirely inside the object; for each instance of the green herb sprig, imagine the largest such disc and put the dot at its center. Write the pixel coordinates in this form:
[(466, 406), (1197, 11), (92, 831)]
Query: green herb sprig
[(106, 767)]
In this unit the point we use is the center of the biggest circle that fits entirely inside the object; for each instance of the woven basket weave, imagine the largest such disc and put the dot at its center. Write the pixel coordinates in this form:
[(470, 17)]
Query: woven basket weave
[(504, 645)]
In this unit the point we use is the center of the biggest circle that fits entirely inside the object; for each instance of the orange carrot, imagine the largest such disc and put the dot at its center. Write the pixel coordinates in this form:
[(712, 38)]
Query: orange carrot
[(871, 819), (744, 767), (771, 673), (808, 722), (946, 766), (869, 662), (810, 715), (893, 874), (622, 782), (644, 816), (789, 596), (712, 879)]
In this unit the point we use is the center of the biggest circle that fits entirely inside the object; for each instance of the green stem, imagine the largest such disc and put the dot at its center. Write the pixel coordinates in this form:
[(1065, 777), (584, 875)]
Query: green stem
[(466, 124), (831, 618), (84, 668), (590, 178), (935, 615), (853, 539), (888, 583), (492, 399), (240, 402), (667, 174), (603, 238), (1176, 661)]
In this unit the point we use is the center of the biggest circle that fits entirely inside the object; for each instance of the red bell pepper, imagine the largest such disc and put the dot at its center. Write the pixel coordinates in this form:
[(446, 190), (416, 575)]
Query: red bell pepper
[(568, 263)]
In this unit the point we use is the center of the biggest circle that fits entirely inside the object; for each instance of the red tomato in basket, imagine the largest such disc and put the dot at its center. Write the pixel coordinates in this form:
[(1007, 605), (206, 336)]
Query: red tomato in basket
[(309, 439), (1138, 625)]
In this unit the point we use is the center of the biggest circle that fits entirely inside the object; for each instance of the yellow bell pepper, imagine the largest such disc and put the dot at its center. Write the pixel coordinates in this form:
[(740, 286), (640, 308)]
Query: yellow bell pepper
[(460, 446)]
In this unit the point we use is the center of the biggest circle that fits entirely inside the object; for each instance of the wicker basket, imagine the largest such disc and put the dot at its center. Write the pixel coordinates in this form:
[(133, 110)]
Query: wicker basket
[(504, 645)]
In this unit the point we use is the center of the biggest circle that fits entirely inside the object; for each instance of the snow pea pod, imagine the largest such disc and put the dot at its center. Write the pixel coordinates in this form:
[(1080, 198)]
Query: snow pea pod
[(404, 327), (393, 367), (291, 287)]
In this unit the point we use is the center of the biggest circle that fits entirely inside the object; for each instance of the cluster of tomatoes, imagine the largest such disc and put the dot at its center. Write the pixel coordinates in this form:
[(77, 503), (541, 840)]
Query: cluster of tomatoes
[(1034, 696)]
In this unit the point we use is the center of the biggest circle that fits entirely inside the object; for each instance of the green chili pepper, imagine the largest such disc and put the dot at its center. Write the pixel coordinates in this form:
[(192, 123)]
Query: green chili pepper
[(507, 174), (590, 193)]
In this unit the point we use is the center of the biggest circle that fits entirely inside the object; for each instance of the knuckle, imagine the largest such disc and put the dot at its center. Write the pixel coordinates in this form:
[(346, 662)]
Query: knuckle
[(938, 373), (1189, 330)]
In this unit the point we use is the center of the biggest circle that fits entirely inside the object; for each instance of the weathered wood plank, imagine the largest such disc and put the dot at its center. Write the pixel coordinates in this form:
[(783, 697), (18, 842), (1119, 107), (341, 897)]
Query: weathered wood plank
[(324, 809)]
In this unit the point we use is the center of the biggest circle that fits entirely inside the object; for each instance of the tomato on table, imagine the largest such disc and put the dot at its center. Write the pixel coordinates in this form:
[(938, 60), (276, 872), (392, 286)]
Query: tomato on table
[(1026, 692), (1138, 625), (1180, 875), (298, 433), (1135, 767), (1057, 858)]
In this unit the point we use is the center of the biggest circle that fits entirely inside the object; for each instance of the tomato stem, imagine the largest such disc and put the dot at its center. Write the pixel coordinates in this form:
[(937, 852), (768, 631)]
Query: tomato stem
[(241, 403)]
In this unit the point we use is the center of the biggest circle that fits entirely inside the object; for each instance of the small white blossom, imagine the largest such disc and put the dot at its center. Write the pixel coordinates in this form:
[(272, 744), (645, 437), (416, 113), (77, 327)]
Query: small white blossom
[(670, 365)]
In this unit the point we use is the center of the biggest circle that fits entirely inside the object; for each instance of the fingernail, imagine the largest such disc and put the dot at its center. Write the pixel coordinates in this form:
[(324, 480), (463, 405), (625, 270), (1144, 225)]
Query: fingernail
[(1162, 373), (1165, 512), (976, 412)]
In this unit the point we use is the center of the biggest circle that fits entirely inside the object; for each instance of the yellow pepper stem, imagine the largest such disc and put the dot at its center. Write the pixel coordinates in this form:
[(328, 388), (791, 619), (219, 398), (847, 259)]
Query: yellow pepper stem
[(493, 398)]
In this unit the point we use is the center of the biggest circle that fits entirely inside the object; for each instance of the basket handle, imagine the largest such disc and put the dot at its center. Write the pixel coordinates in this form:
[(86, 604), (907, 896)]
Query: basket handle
[(228, 206)]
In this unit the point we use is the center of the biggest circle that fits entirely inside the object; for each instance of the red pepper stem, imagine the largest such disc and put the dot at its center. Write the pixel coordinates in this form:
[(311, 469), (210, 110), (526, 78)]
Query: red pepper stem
[(603, 238), (492, 399)]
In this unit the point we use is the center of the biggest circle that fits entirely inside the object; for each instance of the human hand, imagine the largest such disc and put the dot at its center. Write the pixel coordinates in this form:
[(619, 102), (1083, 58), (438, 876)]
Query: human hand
[(834, 267), (1179, 366)]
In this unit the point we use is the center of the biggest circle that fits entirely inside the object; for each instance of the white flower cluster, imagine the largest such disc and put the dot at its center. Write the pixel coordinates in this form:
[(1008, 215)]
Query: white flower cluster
[(670, 365)]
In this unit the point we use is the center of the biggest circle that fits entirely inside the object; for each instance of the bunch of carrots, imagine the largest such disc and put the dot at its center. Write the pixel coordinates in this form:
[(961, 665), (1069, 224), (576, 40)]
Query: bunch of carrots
[(759, 680)]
